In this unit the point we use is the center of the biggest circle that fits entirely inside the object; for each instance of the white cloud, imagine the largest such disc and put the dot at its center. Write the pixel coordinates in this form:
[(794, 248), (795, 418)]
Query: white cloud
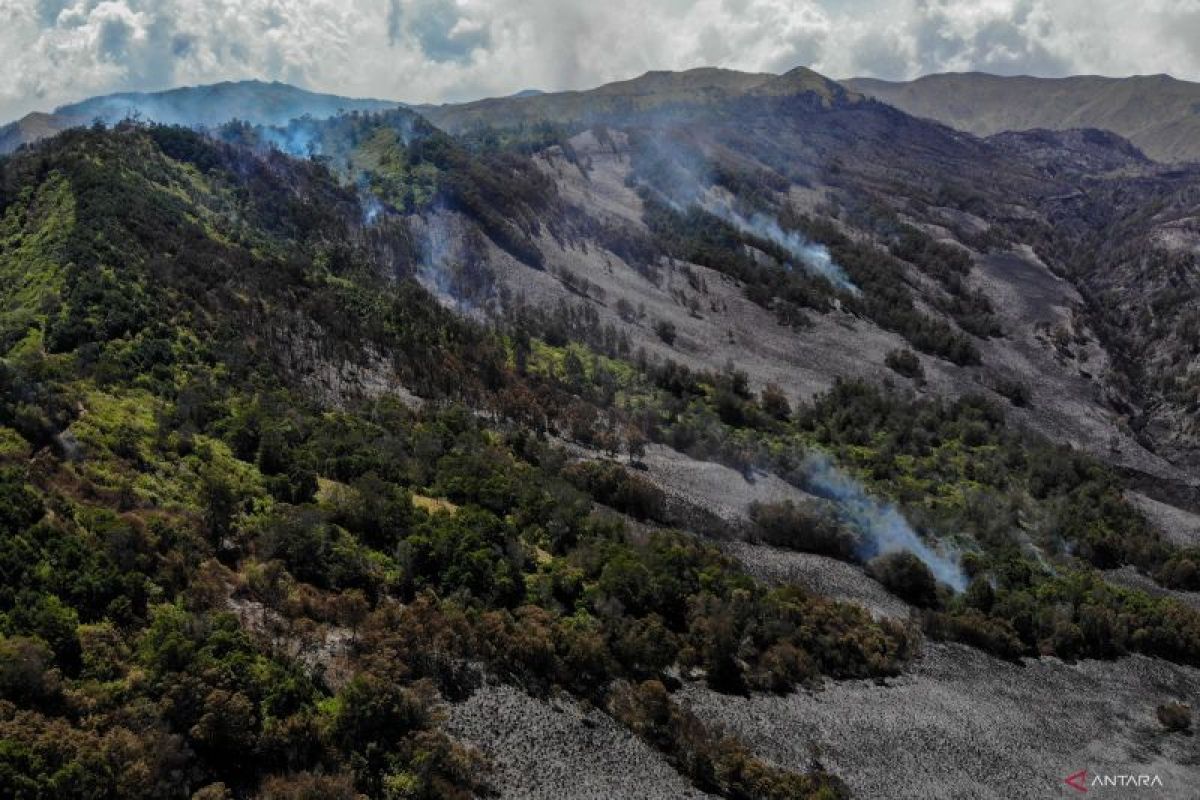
[(56, 51)]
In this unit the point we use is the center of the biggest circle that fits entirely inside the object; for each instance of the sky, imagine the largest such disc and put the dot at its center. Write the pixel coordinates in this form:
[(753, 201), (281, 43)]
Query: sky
[(59, 51)]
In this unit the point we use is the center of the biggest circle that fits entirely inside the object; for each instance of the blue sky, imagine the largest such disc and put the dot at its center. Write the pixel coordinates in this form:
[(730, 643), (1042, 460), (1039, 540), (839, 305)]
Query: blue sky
[(57, 51)]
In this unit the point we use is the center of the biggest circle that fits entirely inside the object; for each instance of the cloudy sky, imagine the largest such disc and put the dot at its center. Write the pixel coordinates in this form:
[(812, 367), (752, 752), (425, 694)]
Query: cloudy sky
[(57, 51)]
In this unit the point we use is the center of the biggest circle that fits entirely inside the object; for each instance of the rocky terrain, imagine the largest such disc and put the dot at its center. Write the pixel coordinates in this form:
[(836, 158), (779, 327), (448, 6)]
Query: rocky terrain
[(960, 722), (556, 748), (965, 724)]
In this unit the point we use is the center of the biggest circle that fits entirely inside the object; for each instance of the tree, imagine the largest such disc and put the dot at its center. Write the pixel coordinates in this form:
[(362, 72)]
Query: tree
[(907, 577), (20, 506), (774, 402), (906, 363), (665, 330), (219, 500), (26, 674)]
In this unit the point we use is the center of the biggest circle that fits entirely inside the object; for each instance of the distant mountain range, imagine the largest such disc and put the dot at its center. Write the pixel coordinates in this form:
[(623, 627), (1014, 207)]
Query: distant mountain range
[(257, 102), (1158, 113)]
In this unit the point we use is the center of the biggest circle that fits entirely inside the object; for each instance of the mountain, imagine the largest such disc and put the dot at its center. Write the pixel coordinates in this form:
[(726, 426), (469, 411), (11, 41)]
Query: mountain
[(254, 101), (653, 91), (1158, 113), (702, 435)]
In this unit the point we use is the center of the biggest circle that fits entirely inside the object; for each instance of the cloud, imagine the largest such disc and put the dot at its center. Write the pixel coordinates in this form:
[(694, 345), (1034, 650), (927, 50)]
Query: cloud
[(439, 29), (57, 51)]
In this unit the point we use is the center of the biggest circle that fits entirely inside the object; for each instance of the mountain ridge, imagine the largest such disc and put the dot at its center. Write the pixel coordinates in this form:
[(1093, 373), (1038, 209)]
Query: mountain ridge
[(1158, 113), (652, 90), (258, 102)]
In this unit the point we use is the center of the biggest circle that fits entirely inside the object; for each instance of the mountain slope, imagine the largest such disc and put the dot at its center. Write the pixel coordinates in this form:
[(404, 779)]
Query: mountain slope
[(254, 101), (215, 505), (315, 469), (1159, 114)]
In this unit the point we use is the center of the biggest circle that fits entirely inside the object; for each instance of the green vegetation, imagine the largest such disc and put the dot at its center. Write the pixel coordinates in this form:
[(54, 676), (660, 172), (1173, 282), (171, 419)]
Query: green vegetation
[(807, 528), (401, 159), (228, 571), (1036, 520), (715, 763), (907, 577), (185, 522)]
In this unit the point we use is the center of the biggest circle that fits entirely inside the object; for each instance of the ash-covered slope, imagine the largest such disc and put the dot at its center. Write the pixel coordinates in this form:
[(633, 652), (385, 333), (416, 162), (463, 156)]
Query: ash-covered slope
[(903, 206), (1155, 112)]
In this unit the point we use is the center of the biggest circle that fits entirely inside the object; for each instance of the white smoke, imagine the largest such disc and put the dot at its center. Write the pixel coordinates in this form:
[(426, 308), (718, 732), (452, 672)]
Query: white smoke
[(882, 528), (686, 181), (810, 255), (371, 207), (438, 261), (295, 140)]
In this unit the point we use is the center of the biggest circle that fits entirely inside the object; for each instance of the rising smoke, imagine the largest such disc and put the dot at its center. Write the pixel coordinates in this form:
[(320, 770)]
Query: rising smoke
[(440, 259), (809, 255), (298, 141), (372, 209), (882, 529), (684, 179)]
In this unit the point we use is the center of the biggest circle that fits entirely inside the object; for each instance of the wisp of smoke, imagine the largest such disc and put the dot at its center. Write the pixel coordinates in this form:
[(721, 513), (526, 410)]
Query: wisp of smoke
[(682, 181), (810, 255), (435, 269), (296, 140), (371, 207), (883, 529)]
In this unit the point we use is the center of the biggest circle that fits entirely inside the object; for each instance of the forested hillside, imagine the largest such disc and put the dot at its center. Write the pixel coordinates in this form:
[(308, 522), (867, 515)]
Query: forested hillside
[(310, 433)]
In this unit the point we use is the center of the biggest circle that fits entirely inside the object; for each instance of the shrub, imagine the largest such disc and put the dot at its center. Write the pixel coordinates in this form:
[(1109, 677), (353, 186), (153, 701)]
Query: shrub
[(665, 329), (1014, 390), (19, 506), (972, 627), (907, 577), (1175, 717), (615, 486), (905, 362), (806, 527), (713, 760), (774, 402), (26, 669)]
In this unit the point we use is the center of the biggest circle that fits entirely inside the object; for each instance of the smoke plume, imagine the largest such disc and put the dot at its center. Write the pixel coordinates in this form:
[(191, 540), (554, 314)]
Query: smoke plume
[(882, 528), (296, 140), (809, 255), (683, 179)]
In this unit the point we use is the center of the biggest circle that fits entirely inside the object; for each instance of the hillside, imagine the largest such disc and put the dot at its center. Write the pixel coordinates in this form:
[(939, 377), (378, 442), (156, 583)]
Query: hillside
[(706, 435), (1159, 114), (659, 92), (254, 101)]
